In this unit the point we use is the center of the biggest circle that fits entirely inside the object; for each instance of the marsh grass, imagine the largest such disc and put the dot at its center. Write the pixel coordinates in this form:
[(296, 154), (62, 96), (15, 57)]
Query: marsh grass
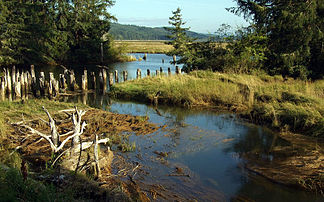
[(295, 105), (143, 46)]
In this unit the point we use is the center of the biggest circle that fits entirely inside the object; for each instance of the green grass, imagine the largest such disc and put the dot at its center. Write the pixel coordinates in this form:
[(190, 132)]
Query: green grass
[(292, 105)]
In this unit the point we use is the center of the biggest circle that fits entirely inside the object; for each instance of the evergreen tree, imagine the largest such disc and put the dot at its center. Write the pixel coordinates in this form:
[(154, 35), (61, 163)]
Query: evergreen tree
[(180, 40)]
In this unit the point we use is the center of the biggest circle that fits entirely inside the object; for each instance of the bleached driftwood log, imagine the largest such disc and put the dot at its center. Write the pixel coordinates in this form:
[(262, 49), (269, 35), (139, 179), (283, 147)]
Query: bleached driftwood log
[(54, 138)]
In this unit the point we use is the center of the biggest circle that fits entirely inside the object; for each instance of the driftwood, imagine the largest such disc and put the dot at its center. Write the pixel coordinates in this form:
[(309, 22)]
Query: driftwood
[(54, 138)]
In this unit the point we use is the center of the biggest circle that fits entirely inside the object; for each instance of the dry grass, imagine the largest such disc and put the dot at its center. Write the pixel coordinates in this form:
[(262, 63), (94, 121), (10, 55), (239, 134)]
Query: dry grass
[(143, 46)]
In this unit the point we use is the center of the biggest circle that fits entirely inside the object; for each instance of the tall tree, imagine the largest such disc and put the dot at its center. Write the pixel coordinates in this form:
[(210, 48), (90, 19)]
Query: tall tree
[(179, 39), (294, 29)]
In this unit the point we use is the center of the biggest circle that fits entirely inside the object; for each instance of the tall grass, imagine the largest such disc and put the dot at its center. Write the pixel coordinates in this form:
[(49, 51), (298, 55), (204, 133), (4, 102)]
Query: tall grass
[(288, 104)]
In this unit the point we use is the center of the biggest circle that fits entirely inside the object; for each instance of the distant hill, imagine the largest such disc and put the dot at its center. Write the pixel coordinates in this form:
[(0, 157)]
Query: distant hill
[(134, 32)]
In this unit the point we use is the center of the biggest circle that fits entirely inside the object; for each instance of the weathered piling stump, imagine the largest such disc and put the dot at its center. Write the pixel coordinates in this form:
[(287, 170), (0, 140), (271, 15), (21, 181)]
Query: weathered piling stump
[(138, 74), (111, 79), (9, 83), (84, 86), (56, 88), (178, 70), (148, 72), (17, 89), (169, 71), (101, 83), (104, 78), (125, 75), (174, 59), (72, 81), (26, 82), (32, 71), (51, 84), (2, 88), (161, 70), (22, 83), (116, 76), (13, 75), (62, 83), (93, 80), (42, 85), (145, 56)]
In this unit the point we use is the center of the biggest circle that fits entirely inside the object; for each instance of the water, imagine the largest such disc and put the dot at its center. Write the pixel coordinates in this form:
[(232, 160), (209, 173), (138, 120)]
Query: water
[(207, 146)]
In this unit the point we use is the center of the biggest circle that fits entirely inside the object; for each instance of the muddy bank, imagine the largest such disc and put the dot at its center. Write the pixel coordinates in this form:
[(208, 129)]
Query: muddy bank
[(299, 165)]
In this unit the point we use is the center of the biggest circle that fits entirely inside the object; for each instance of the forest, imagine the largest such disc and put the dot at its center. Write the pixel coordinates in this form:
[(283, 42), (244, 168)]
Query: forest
[(56, 31), (133, 32)]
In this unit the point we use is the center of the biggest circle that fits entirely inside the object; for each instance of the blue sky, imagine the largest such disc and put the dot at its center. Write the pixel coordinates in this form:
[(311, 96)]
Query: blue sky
[(203, 16)]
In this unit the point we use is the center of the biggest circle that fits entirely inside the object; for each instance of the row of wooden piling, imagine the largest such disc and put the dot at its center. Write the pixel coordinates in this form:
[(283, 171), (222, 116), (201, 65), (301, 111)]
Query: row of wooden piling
[(21, 83)]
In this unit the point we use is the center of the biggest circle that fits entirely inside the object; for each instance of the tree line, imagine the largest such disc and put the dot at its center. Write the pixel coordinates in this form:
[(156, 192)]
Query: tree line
[(284, 37), (133, 32), (53, 31)]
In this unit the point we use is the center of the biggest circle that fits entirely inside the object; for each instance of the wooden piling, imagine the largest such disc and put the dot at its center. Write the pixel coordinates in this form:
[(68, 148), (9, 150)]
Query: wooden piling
[(17, 89), (32, 71), (148, 72), (84, 83), (42, 85), (22, 83), (111, 79), (174, 59), (138, 74), (161, 70), (9, 84), (13, 75), (125, 75), (93, 80), (2, 88), (116, 76), (145, 56), (178, 70), (104, 78), (85, 73), (56, 88), (72, 81), (26, 82), (169, 71), (62, 83), (101, 82)]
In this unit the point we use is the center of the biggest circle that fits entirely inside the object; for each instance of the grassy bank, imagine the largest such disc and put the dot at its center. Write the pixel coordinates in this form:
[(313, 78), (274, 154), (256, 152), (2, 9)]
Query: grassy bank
[(143, 46), (285, 104)]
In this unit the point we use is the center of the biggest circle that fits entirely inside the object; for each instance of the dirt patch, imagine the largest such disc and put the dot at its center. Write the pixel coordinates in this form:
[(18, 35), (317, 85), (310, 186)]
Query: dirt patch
[(300, 165)]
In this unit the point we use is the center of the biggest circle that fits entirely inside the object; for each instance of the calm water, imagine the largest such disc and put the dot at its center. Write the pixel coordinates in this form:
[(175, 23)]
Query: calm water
[(206, 145)]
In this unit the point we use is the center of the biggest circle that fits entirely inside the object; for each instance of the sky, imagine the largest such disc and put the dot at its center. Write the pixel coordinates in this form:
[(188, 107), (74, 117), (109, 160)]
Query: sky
[(204, 16)]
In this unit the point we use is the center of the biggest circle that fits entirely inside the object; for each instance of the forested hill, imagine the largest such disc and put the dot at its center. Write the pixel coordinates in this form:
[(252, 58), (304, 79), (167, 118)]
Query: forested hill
[(133, 32)]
